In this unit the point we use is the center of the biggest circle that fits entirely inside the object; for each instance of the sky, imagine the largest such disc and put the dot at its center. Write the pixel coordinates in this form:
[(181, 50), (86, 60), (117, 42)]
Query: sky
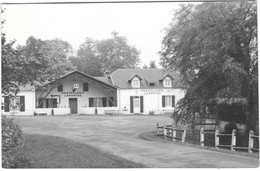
[(143, 24)]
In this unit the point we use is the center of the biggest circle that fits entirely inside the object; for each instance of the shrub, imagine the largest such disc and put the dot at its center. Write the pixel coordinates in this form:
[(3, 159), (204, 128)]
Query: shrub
[(151, 112), (12, 144)]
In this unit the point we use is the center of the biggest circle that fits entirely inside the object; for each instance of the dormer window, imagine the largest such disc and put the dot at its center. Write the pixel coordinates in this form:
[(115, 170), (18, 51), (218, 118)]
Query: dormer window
[(136, 82), (167, 82)]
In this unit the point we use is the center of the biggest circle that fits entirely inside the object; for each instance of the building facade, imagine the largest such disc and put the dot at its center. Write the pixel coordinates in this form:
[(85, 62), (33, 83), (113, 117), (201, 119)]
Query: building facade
[(125, 91)]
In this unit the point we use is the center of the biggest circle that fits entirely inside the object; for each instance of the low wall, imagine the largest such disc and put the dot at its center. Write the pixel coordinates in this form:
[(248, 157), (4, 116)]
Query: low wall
[(91, 110), (57, 111)]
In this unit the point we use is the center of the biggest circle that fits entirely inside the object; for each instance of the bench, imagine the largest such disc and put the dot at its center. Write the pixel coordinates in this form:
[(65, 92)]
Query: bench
[(111, 112), (42, 114)]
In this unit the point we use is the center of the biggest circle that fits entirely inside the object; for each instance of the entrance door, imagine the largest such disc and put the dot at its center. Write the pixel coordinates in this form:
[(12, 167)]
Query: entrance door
[(136, 104), (73, 103)]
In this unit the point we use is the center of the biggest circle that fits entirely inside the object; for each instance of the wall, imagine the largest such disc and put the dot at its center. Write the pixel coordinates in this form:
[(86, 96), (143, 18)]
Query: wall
[(152, 99)]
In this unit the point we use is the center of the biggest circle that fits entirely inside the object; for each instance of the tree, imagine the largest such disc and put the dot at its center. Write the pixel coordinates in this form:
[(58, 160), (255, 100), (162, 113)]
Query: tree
[(145, 66), (214, 47), (45, 60), (152, 64), (98, 57)]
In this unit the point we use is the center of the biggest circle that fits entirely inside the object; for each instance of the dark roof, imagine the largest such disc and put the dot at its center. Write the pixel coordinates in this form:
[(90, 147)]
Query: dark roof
[(98, 79), (105, 80), (120, 78)]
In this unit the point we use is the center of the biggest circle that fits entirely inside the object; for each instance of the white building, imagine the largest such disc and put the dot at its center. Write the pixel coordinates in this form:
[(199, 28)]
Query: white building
[(125, 91)]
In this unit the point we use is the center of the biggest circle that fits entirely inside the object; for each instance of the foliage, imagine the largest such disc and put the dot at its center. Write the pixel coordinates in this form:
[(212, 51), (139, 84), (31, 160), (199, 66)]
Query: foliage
[(36, 62), (214, 47), (145, 66), (12, 144), (152, 64), (45, 60), (99, 57)]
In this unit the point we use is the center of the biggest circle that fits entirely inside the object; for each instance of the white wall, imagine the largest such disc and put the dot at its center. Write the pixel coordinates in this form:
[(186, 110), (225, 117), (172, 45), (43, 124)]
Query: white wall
[(29, 97), (152, 100), (83, 100)]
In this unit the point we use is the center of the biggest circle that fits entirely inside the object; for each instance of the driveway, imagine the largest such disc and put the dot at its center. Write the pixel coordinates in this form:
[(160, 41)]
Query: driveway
[(119, 135)]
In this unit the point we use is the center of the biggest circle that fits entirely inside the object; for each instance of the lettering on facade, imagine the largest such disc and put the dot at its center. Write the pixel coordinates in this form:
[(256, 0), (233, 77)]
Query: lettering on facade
[(151, 91), (72, 94)]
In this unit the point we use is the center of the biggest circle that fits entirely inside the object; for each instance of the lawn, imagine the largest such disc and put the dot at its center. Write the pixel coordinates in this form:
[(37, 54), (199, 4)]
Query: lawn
[(55, 152)]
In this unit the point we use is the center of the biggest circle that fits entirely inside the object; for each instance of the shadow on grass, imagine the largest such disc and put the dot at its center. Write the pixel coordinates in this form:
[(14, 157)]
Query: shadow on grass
[(55, 152)]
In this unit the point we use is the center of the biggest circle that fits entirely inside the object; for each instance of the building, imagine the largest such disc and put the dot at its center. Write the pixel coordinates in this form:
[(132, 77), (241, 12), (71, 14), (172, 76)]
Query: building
[(125, 91)]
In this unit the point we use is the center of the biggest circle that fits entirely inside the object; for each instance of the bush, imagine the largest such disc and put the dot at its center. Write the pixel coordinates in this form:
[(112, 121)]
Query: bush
[(12, 145), (151, 112)]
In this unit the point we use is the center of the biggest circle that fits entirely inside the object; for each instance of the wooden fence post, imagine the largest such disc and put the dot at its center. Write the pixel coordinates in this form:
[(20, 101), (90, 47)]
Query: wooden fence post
[(251, 141), (216, 138), (183, 136), (173, 135), (158, 132), (165, 132), (202, 137), (233, 139)]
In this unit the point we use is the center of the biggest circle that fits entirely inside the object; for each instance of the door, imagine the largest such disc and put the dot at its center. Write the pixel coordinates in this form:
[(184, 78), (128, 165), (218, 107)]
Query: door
[(73, 103), (136, 104)]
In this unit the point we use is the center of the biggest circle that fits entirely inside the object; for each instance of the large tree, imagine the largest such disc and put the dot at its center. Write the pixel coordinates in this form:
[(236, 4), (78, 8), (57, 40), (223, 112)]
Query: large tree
[(36, 62), (214, 47), (98, 57), (45, 60)]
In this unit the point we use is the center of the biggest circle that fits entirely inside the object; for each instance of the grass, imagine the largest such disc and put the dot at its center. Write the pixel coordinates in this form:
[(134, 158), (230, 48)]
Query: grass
[(55, 152)]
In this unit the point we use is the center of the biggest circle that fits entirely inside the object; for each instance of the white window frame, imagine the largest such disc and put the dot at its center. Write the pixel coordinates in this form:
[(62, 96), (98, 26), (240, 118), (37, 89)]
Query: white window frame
[(136, 82), (167, 82)]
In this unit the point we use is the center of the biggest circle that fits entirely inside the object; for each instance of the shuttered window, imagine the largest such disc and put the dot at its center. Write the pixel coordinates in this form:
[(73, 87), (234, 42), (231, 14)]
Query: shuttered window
[(141, 104), (85, 86), (104, 101), (173, 101), (91, 102), (60, 88), (22, 103), (7, 103), (168, 101), (131, 104), (163, 101)]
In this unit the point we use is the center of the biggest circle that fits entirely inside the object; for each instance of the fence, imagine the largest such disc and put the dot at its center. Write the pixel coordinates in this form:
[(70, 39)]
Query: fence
[(168, 131)]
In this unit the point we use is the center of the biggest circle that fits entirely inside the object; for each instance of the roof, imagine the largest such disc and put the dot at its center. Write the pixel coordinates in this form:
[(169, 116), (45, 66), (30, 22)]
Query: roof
[(101, 80), (120, 78), (105, 80)]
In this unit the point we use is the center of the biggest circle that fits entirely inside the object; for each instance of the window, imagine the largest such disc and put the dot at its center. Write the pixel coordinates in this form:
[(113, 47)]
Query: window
[(151, 84), (98, 102), (16, 103), (76, 85), (51, 103), (167, 82), (60, 88), (85, 86), (168, 101), (135, 82), (48, 103)]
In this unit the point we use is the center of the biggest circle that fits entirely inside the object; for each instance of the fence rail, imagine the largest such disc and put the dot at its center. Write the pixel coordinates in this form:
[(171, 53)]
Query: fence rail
[(168, 131)]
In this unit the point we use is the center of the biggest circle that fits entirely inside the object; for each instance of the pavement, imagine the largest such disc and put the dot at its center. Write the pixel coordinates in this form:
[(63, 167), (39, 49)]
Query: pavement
[(120, 135)]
